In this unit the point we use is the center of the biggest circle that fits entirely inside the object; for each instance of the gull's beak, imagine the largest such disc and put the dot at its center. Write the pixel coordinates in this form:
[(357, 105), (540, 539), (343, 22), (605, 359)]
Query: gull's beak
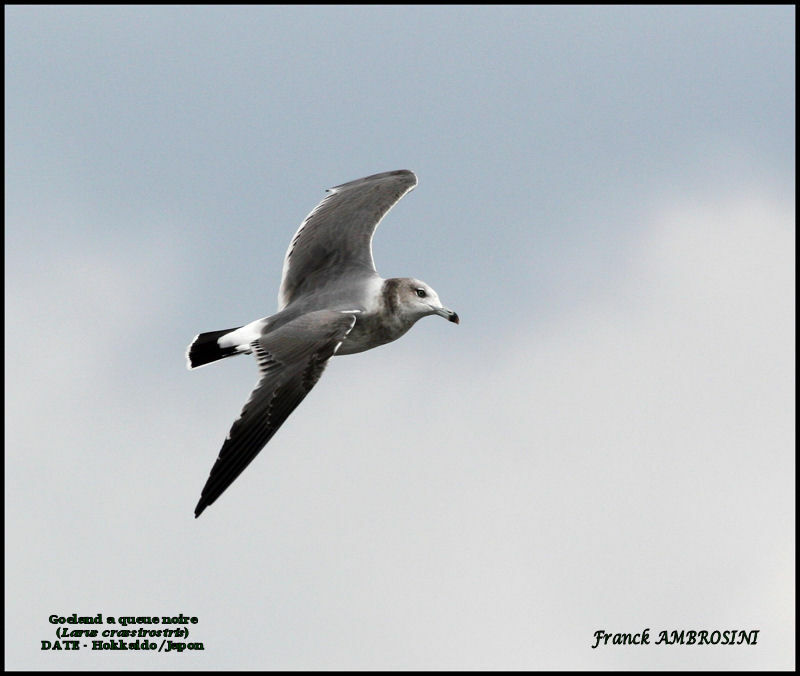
[(449, 315)]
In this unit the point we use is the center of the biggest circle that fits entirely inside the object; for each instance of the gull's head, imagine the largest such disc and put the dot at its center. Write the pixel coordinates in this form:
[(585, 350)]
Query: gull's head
[(417, 300)]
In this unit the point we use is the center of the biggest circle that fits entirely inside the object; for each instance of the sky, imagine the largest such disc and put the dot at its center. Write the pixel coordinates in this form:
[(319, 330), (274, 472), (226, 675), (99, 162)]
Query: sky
[(606, 442)]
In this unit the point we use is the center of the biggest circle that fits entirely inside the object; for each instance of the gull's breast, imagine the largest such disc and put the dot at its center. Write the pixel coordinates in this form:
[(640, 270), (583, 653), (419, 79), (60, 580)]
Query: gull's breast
[(372, 330)]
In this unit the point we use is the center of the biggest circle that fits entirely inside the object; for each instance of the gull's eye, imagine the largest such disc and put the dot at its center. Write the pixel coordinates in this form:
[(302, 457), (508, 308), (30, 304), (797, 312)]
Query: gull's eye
[(421, 293)]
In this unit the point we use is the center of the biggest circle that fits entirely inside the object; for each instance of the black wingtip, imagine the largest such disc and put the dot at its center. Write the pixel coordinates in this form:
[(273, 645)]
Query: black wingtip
[(199, 509)]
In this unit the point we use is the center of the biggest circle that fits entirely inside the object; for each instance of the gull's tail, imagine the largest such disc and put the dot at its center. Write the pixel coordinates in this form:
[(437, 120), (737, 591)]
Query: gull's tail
[(205, 348)]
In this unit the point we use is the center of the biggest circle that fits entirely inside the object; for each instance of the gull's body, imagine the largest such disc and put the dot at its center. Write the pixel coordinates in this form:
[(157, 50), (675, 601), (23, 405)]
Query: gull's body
[(331, 301)]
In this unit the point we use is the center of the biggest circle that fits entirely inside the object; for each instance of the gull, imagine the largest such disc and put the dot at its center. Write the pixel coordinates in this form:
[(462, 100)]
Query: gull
[(331, 301)]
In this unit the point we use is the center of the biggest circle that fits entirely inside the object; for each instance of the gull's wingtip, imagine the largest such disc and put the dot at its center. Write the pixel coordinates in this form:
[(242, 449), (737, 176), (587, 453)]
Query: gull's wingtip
[(384, 175)]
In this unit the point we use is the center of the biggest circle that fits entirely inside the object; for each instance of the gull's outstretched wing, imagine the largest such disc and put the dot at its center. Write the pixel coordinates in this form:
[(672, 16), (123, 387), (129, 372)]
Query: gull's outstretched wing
[(291, 360), (335, 239)]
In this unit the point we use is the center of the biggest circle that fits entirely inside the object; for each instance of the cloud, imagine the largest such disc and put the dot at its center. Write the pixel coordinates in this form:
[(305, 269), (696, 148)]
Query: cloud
[(442, 501), (627, 465)]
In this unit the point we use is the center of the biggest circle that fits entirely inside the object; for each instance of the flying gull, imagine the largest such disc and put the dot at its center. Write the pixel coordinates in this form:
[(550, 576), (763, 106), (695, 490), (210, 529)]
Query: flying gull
[(331, 301)]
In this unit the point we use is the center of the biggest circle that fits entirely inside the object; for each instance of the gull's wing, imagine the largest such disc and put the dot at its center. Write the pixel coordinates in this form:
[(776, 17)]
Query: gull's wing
[(291, 360), (335, 239)]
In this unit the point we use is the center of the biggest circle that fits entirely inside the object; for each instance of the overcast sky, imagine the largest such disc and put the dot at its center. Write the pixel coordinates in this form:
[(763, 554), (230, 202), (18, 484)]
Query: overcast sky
[(606, 441)]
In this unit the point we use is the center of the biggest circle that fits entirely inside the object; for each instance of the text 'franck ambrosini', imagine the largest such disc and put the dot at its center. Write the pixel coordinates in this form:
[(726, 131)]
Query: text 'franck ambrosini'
[(679, 637)]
